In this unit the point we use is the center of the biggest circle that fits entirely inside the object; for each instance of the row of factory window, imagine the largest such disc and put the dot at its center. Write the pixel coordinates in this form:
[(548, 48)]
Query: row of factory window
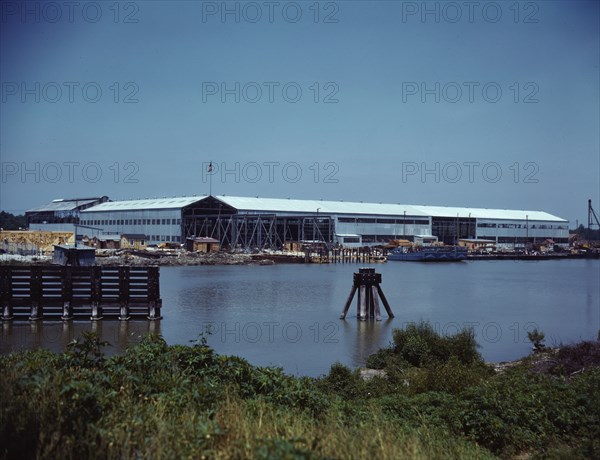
[(132, 222), (542, 226), (514, 239), (383, 238), (165, 238), (363, 220)]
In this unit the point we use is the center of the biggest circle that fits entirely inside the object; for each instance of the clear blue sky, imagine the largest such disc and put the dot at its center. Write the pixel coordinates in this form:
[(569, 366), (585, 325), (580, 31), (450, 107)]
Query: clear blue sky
[(162, 115)]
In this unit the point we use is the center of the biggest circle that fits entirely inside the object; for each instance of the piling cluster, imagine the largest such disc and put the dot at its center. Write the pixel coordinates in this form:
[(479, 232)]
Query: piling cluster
[(367, 283)]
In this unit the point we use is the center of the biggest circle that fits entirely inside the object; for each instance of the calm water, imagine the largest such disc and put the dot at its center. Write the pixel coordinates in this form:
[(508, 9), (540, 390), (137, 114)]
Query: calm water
[(288, 315)]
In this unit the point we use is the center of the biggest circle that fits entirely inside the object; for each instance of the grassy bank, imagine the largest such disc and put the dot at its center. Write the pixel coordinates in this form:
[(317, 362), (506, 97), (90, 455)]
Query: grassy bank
[(436, 399)]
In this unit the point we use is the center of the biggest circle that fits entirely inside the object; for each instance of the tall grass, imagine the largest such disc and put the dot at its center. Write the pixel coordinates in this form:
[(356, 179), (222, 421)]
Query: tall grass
[(158, 401)]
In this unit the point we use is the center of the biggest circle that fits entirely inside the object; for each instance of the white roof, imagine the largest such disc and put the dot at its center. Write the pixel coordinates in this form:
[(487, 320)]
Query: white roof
[(154, 203), (63, 205), (253, 204), (281, 205), (349, 207), (484, 213), (108, 237)]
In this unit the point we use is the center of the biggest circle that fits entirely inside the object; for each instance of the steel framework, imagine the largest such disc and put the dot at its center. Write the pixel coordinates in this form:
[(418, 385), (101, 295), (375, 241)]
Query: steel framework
[(260, 231), (592, 217)]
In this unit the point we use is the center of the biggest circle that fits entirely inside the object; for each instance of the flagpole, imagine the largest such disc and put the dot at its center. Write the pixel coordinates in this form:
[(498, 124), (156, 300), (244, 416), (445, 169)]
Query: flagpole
[(210, 168)]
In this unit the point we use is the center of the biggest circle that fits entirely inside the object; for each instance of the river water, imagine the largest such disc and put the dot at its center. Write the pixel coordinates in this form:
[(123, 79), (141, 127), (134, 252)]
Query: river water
[(288, 315)]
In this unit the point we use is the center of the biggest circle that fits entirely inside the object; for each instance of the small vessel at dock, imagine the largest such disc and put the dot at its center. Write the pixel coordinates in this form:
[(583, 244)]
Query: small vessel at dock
[(429, 254)]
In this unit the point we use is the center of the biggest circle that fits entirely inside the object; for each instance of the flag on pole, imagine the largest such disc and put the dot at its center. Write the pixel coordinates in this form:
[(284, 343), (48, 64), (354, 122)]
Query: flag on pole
[(210, 169)]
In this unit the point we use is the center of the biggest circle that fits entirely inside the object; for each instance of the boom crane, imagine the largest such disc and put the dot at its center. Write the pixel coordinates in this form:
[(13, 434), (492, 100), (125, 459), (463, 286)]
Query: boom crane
[(592, 216)]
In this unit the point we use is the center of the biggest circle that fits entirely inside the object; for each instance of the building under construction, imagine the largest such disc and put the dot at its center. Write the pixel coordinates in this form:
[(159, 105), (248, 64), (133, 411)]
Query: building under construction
[(259, 223)]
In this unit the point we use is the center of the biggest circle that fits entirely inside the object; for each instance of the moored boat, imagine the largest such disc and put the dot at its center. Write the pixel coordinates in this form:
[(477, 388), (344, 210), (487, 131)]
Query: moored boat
[(430, 254)]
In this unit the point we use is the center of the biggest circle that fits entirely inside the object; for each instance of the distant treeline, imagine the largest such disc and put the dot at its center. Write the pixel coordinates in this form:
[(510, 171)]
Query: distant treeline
[(9, 221)]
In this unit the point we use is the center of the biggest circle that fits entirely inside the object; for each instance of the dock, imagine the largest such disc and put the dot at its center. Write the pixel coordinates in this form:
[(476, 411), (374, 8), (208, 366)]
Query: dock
[(39, 292)]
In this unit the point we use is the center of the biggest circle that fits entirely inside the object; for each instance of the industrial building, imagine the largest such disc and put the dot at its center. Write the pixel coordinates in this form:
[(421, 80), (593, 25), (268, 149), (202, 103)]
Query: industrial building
[(253, 222), (62, 215)]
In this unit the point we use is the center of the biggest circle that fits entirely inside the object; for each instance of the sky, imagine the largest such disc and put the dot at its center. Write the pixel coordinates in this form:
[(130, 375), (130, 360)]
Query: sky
[(477, 104)]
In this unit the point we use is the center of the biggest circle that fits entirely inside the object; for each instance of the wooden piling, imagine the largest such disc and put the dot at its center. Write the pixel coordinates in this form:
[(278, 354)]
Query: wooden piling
[(367, 283), (36, 293), (67, 292), (154, 301), (376, 303), (96, 294), (348, 302), (388, 309), (124, 281), (6, 293), (363, 302)]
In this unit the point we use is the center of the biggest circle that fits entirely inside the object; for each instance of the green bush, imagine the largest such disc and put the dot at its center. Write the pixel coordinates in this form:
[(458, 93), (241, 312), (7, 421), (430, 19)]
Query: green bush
[(163, 401), (520, 410), (341, 381), (420, 344), (536, 338), (453, 376), (380, 359)]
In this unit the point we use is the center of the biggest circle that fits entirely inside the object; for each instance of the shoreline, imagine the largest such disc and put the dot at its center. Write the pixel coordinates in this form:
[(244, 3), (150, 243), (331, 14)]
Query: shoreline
[(154, 258)]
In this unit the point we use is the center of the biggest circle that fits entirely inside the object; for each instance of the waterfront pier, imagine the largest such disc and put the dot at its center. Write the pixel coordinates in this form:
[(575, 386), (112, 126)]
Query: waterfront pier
[(38, 292)]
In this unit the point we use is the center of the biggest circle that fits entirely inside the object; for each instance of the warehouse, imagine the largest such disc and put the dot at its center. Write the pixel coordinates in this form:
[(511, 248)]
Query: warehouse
[(60, 215), (275, 222), (159, 219), (253, 222)]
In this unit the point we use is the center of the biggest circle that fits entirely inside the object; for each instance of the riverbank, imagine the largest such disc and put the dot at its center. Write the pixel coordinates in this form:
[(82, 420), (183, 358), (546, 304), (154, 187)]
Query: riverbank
[(541, 256), (184, 258), (155, 258), (436, 399)]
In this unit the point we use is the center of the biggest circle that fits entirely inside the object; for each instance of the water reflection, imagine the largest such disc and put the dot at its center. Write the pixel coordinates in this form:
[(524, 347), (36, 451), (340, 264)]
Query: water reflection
[(55, 336), (288, 315), (369, 336)]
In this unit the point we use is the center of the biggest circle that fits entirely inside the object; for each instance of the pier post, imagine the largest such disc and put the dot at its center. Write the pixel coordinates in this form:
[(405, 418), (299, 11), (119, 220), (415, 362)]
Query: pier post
[(37, 311), (376, 303), (67, 292), (124, 277), (348, 302), (388, 309), (6, 293), (362, 303), (154, 300), (96, 294)]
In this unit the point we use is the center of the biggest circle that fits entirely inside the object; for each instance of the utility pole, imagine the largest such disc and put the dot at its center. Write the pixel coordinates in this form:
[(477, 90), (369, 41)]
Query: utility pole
[(526, 232), (469, 231), (75, 217), (456, 231)]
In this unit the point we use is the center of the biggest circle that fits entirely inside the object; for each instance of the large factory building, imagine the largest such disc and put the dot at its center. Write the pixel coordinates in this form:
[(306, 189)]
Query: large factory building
[(253, 222)]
